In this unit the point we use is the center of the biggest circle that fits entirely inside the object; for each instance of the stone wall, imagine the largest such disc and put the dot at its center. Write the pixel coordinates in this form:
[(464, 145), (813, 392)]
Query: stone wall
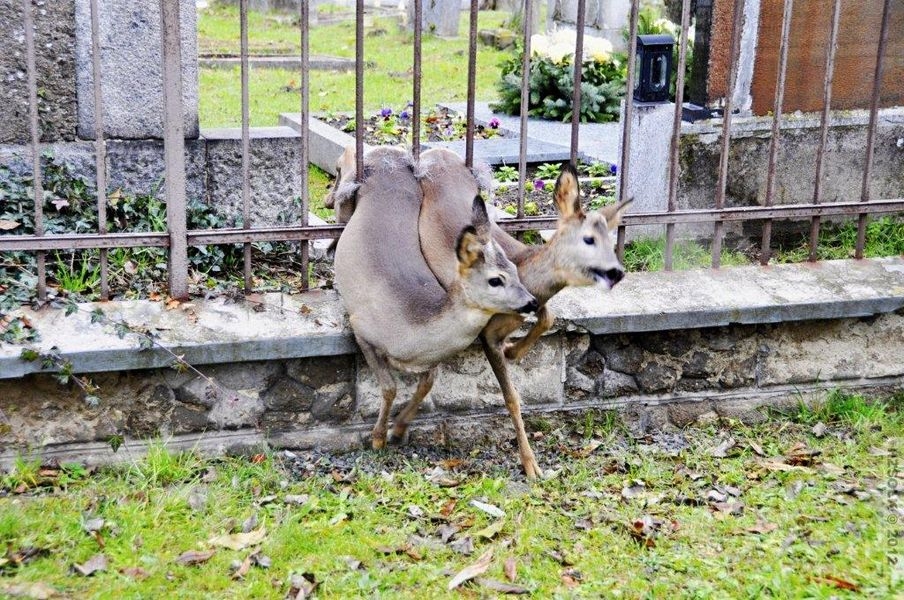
[(55, 63), (213, 169), (656, 379)]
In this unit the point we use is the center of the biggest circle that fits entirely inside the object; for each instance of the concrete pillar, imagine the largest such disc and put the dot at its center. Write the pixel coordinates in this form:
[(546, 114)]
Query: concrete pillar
[(131, 70), (648, 171)]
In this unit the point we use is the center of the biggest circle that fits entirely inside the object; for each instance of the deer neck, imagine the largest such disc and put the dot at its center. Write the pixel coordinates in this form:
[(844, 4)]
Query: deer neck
[(538, 272)]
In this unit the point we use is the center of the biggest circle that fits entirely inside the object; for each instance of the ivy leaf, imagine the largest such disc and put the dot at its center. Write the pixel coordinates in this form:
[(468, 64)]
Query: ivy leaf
[(29, 354), (116, 441), (71, 306), (91, 400), (97, 315)]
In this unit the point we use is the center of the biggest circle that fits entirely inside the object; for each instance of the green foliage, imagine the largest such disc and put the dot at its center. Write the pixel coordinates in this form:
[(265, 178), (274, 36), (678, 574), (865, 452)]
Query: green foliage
[(506, 173), (548, 171), (597, 169), (884, 237), (552, 87), (648, 254), (23, 475), (160, 467), (841, 407)]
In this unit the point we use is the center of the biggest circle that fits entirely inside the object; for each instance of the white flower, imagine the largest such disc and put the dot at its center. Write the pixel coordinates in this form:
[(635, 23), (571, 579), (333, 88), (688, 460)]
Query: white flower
[(539, 44)]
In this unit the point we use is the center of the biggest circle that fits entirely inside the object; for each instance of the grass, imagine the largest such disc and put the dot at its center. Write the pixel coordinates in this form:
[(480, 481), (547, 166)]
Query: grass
[(388, 79), (803, 532), (884, 237), (648, 254)]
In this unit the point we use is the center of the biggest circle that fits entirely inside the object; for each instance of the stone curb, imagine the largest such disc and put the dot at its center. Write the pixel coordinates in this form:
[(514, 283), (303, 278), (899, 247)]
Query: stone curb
[(271, 326)]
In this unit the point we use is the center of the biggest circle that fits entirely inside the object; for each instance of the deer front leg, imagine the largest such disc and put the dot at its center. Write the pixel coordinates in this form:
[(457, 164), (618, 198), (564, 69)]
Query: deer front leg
[(383, 372), (403, 420), (517, 349), (493, 352)]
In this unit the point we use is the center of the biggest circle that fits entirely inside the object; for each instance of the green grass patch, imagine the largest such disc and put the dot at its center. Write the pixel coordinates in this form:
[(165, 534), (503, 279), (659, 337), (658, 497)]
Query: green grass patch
[(884, 237), (621, 518), (648, 254), (387, 80)]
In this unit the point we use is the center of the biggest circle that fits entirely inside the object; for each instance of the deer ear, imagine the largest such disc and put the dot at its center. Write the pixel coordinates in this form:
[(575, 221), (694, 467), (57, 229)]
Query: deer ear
[(568, 193), (613, 213), (468, 249), (479, 217)]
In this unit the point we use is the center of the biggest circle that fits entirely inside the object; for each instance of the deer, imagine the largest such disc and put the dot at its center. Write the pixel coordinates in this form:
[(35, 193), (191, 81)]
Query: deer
[(401, 317), (580, 253)]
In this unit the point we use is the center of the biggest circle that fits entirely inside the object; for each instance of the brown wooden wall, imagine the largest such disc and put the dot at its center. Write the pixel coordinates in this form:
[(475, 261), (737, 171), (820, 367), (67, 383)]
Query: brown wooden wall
[(854, 64)]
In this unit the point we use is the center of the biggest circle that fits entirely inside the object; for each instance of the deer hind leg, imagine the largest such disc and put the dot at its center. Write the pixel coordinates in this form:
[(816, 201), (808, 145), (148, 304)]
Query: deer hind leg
[(383, 371), (493, 351), (517, 349), (403, 420)]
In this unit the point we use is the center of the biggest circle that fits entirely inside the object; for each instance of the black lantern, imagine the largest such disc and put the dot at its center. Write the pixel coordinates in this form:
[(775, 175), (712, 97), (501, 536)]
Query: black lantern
[(653, 68)]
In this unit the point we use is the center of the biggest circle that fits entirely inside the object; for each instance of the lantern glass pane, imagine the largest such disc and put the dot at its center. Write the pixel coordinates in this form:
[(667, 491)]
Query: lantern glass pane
[(660, 72)]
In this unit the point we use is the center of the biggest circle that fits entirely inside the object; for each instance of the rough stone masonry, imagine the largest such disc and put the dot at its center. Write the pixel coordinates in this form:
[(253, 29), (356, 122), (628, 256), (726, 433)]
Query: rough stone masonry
[(284, 372)]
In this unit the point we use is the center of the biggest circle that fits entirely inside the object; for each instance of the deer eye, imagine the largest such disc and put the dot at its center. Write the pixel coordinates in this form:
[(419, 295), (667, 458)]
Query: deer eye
[(495, 282), (588, 239)]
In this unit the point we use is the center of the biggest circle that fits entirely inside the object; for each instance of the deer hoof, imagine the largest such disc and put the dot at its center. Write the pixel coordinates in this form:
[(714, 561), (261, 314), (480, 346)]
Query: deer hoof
[(512, 352), (531, 468), (398, 438), (379, 441)]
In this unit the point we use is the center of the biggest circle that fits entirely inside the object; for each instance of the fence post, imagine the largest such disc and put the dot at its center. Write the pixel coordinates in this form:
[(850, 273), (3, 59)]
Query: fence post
[(174, 150)]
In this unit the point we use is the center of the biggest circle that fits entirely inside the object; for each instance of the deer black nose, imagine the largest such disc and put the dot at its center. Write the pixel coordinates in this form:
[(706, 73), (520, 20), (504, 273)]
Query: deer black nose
[(615, 275), (530, 307)]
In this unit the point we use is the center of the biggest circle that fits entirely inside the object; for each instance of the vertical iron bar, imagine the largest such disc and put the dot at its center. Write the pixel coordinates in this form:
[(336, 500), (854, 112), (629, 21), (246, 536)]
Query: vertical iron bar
[(174, 149), (246, 142), (578, 66), (871, 132), (676, 133), (472, 85), (824, 125), (765, 246), (726, 128), (525, 102), (417, 77), (37, 183), (304, 7), (628, 117), (100, 148), (359, 89)]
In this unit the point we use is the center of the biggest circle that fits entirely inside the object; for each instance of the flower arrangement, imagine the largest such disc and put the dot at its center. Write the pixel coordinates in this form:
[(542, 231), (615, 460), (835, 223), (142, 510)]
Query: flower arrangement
[(551, 79)]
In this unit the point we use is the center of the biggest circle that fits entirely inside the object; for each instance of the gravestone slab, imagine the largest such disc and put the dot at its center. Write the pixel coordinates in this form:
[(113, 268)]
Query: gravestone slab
[(131, 68)]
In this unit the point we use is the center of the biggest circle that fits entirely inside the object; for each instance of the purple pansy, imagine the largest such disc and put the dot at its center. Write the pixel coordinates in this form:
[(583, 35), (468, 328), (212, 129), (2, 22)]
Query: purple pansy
[(404, 115), (494, 123), (613, 169), (539, 184), (386, 112)]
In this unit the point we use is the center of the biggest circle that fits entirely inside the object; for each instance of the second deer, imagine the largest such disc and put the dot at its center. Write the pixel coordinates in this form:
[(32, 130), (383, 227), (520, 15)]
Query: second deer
[(580, 253)]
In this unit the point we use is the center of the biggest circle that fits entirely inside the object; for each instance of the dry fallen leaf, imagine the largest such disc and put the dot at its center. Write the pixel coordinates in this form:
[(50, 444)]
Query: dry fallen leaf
[(136, 573), (239, 541), (493, 511), (302, 586), (762, 527), (7, 225), (296, 499), (471, 571), (96, 563), (837, 582), (195, 557), (490, 531), (801, 454), (721, 451), (510, 568)]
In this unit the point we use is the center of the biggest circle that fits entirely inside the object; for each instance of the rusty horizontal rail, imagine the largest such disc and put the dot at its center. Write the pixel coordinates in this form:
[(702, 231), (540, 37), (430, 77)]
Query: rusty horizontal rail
[(204, 237)]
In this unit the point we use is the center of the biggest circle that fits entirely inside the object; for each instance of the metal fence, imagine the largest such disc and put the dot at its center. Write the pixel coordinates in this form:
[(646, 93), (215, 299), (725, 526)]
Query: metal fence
[(177, 239)]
